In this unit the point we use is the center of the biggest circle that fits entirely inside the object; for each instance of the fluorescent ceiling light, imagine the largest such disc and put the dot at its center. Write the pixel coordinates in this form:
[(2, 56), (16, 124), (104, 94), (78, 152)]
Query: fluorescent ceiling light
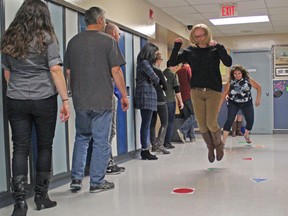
[(239, 20)]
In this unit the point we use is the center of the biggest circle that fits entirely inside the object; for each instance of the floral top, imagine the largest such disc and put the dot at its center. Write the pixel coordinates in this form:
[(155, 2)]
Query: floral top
[(240, 90)]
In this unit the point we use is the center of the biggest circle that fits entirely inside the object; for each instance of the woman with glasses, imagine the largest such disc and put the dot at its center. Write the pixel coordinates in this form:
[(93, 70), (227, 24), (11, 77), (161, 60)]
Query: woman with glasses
[(162, 110), (203, 56)]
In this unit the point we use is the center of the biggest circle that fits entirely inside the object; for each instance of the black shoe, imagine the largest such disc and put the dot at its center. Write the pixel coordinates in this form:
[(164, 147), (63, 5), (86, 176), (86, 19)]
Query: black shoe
[(76, 185), (146, 155), (122, 168), (20, 208), (113, 170), (105, 186), (169, 146), (42, 199)]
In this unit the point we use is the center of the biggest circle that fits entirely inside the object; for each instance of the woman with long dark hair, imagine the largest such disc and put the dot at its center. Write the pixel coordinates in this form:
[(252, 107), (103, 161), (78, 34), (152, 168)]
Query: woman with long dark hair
[(32, 69), (238, 90), (146, 96)]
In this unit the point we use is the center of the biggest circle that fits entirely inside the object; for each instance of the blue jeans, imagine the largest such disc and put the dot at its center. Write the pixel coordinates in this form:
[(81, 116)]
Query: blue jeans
[(188, 126), (146, 116), (22, 114), (96, 125), (247, 110), (171, 116)]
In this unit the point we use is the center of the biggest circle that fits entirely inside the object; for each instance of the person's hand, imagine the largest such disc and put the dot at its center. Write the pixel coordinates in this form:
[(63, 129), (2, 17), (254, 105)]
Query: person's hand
[(257, 103), (65, 111), (181, 105), (178, 40), (219, 108), (212, 43), (125, 103)]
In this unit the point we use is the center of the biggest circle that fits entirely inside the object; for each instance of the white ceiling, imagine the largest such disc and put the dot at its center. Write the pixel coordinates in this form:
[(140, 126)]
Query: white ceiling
[(191, 12)]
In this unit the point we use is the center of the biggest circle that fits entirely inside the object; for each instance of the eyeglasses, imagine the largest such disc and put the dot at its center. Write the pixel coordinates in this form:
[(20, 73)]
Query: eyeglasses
[(199, 36)]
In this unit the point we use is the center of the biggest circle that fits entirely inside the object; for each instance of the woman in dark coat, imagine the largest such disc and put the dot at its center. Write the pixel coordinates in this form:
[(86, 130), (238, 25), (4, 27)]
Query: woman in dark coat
[(146, 96)]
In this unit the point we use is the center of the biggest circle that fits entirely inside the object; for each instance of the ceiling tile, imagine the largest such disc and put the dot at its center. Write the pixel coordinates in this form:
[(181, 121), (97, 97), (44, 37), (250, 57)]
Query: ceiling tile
[(180, 10), (191, 12), (168, 3)]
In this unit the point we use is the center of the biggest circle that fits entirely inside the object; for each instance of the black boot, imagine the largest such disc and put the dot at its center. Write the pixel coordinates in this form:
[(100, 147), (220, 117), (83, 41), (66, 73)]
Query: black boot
[(146, 155), (153, 139), (234, 129), (208, 140), (19, 195), (219, 145), (41, 191), (238, 130)]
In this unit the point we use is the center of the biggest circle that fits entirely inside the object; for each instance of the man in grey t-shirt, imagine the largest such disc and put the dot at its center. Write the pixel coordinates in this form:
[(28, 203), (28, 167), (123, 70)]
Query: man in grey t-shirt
[(93, 61)]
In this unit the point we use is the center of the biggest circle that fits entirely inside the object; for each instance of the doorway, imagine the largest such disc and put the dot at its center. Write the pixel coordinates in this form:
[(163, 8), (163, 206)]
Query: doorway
[(258, 64)]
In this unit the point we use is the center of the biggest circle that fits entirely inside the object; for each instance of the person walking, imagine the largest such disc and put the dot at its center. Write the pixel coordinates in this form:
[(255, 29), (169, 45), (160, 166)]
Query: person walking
[(238, 90), (32, 69), (186, 130), (93, 61), (203, 56), (146, 95), (172, 91)]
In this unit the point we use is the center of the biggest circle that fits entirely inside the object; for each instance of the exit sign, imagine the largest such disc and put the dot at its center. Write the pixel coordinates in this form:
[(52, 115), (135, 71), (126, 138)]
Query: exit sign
[(228, 10)]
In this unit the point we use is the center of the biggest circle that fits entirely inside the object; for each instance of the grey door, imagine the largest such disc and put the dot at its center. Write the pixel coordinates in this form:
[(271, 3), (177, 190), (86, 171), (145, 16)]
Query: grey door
[(258, 64)]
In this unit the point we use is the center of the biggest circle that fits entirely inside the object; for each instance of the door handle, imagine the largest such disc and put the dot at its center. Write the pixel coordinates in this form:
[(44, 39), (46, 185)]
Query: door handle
[(267, 93)]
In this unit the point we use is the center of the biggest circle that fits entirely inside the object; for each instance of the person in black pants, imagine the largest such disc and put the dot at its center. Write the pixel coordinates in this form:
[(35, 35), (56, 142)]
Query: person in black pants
[(171, 92), (162, 110), (32, 69), (238, 90)]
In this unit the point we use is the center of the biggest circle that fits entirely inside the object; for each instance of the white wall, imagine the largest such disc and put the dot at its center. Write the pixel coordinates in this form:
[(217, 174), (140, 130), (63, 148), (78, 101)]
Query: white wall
[(253, 42), (134, 14)]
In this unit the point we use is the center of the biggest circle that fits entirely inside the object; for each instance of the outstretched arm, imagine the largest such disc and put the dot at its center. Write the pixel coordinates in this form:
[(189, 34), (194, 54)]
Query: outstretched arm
[(258, 88)]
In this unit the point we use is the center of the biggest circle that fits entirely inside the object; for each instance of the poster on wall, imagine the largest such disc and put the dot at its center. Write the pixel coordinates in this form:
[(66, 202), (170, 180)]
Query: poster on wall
[(280, 103), (280, 61)]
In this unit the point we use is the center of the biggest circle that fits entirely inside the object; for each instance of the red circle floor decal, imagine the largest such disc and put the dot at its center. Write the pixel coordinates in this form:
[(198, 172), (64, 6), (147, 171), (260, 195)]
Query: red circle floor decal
[(183, 190)]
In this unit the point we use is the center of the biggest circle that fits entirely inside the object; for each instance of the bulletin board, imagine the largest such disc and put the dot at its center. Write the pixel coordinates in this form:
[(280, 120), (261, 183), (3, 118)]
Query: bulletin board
[(280, 61)]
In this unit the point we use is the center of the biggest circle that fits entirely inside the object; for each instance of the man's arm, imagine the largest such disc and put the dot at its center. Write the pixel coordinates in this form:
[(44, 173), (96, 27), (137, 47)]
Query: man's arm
[(118, 77)]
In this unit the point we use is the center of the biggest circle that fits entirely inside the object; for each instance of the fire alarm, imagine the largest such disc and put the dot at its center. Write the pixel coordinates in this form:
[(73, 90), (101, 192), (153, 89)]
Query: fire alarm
[(151, 14)]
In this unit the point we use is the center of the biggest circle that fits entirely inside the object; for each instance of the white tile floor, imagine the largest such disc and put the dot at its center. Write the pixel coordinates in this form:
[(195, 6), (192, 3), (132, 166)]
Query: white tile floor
[(228, 190)]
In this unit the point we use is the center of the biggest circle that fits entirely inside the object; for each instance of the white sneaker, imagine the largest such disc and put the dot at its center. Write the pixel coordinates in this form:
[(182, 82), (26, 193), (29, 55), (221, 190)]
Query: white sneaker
[(181, 136)]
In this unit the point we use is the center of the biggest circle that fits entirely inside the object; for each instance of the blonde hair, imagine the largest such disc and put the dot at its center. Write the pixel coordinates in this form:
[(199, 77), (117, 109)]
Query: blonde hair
[(207, 31)]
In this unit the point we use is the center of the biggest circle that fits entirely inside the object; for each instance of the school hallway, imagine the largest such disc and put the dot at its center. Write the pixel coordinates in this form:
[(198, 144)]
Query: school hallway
[(251, 180)]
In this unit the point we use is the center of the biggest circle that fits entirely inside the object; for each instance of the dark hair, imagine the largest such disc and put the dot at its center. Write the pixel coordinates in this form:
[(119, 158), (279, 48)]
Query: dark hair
[(92, 14), (239, 68), (148, 52), (31, 20), (168, 64)]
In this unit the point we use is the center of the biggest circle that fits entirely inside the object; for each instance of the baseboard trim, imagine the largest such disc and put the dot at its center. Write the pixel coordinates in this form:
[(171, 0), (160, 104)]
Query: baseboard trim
[(281, 131)]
